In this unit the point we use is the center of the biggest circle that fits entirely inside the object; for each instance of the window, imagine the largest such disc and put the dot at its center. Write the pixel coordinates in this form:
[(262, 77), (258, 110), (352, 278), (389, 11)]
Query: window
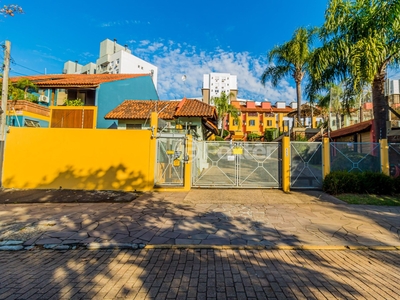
[(235, 123), (133, 126), (269, 123), (252, 114), (252, 122), (31, 123)]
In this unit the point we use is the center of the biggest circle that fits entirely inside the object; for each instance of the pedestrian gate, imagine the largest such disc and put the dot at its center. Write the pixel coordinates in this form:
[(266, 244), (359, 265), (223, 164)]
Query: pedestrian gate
[(171, 152), (236, 164)]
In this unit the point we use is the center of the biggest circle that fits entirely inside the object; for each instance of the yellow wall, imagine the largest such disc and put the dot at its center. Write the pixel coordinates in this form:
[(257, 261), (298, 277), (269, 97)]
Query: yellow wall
[(46, 158)]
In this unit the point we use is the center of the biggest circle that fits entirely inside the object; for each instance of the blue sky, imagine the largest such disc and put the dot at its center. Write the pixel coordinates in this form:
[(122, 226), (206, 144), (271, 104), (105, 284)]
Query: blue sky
[(179, 37)]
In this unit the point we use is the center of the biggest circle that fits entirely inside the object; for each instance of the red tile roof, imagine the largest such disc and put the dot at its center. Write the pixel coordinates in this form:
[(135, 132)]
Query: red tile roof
[(359, 127), (75, 80), (168, 110)]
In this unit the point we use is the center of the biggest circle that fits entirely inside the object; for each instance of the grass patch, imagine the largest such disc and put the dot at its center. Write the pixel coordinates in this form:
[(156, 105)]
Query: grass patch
[(370, 199)]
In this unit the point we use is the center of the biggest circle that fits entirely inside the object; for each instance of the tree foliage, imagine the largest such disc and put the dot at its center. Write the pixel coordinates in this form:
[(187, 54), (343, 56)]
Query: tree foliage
[(360, 39), (290, 59), (224, 108)]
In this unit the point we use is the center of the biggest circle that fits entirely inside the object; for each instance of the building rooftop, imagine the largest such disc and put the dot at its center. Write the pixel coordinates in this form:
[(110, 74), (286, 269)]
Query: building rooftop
[(167, 110), (75, 80)]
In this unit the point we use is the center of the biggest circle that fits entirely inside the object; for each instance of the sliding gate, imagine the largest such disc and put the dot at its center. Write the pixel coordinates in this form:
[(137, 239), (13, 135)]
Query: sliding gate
[(236, 165)]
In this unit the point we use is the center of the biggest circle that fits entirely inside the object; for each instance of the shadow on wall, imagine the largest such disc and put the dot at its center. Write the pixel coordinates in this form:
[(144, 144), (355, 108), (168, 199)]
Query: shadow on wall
[(113, 178), (154, 219)]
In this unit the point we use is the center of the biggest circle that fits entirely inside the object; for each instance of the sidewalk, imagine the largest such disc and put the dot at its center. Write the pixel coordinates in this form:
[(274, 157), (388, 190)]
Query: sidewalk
[(203, 218)]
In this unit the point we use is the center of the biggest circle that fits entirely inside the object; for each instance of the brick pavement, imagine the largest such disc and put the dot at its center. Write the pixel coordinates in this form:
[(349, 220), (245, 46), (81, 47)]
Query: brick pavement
[(199, 274)]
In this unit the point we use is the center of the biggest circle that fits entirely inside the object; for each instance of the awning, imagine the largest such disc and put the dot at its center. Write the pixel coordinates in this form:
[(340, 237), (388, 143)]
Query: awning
[(210, 126)]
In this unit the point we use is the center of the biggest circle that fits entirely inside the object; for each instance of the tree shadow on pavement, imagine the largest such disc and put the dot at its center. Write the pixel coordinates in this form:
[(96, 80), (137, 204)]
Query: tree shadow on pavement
[(175, 273)]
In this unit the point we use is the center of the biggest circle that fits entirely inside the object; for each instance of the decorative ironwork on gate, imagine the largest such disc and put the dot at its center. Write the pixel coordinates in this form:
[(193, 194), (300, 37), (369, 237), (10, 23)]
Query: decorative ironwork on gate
[(394, 159), (355, 157), (305, 166), (236, 164), (170, 161)]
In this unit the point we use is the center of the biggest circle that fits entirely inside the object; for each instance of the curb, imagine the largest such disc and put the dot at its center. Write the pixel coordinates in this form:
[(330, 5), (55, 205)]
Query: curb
[(18, 245)]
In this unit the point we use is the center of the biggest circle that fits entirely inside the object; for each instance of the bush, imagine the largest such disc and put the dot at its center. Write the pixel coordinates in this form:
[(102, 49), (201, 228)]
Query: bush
[(396, 182), (376, 183), (340, 182), (218, 138)]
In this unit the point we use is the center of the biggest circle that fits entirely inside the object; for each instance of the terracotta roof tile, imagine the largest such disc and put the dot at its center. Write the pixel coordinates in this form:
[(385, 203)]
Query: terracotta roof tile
[(195, 108), (85, 80), (168, 110), (141, 109)]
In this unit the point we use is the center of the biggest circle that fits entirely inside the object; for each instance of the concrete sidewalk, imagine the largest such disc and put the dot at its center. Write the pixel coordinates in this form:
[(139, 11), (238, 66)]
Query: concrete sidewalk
[(203, 218)]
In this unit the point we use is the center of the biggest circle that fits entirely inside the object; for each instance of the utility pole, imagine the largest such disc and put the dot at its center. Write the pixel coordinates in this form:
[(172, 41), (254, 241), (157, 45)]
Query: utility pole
[(4, 93), (3, 111)]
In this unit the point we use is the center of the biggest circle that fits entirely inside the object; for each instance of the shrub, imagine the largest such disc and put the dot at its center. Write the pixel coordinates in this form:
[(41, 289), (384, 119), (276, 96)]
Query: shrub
[(75, 102), (376, 183), (339, 182), (218, 138), (396, 183)]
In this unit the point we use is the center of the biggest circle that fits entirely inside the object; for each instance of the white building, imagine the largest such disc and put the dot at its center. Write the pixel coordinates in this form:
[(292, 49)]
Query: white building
[(216, 83), (113, 59)]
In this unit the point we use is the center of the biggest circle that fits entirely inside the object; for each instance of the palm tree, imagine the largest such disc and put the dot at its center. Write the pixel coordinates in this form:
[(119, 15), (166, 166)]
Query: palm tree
[(361, 38), (224, 108), (290, 59)]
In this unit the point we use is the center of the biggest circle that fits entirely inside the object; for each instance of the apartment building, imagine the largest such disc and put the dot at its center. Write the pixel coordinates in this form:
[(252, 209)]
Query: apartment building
[(113, 59), (214, 84)]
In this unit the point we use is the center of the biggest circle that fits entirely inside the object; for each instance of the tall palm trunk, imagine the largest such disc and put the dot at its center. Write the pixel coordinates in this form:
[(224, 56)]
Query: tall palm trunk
[(380, 106), (298, 94)]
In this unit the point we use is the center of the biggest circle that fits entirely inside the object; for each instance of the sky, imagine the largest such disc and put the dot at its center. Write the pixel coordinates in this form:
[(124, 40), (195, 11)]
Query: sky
[(179, 37)]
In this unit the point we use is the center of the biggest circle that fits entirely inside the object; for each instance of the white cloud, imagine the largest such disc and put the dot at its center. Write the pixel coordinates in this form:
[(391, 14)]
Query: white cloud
[(174, 60)]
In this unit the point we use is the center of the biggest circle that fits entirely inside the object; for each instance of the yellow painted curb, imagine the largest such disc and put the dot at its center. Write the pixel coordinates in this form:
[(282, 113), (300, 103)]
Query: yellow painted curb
[(277, 247)]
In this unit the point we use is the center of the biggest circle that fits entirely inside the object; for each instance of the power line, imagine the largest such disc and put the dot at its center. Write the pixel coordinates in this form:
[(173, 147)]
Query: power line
[(28, 68), (11, 71)]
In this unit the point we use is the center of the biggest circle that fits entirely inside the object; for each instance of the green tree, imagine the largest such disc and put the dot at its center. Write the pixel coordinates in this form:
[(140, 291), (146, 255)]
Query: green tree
[(26, 85), (360, 39), (224, 108), (291, 59)]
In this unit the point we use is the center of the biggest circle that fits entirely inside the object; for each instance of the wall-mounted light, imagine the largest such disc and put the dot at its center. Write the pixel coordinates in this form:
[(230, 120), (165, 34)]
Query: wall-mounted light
[(244, 123), (262, 124)]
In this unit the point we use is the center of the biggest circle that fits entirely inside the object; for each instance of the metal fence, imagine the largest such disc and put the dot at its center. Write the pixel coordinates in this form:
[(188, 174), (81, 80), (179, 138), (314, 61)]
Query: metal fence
[(170, 161), (236, 164), (394, 159), (306, 165), (355, 157)]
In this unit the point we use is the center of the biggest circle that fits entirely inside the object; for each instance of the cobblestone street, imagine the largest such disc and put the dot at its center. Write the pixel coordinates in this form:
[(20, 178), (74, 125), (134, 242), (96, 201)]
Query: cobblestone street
[(199, 274)]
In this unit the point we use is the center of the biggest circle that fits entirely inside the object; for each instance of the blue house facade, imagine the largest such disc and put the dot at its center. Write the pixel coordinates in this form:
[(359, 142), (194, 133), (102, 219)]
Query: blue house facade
[(104, 91)]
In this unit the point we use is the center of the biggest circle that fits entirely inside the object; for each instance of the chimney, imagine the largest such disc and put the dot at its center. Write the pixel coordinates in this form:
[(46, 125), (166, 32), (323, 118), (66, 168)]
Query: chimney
[(115, 45), (76, 66)]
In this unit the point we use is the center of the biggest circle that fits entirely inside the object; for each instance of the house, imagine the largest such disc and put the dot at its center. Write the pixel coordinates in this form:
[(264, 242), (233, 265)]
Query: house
[(24, 113), (184, 116), (100, 91), (257, 117), (358, 133)]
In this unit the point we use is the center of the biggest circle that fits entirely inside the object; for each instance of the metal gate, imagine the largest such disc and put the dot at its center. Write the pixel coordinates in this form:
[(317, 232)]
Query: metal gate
[(306, 165), (236, 164), (170, 161)]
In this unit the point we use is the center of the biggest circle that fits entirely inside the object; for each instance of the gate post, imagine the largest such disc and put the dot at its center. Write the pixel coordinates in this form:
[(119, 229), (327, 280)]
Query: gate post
[(286, 164), (153, 151), (384, 156), (326, 159), (188, 157)]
